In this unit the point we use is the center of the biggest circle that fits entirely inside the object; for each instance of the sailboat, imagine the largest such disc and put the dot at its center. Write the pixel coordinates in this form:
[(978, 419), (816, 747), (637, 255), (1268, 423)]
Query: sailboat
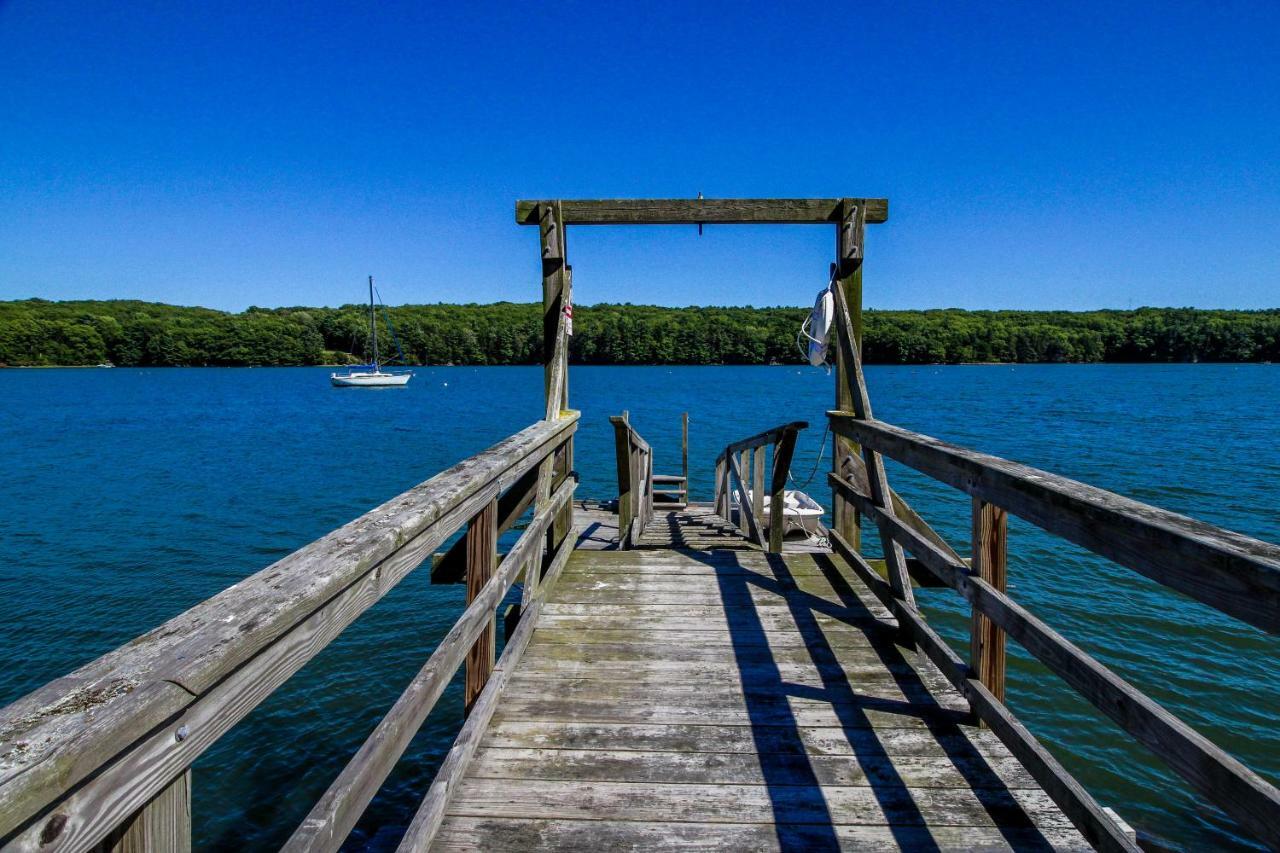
[(371, 375)]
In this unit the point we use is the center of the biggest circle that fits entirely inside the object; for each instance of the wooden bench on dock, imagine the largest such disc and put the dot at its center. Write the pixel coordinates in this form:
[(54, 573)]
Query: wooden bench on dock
[(684, 678)]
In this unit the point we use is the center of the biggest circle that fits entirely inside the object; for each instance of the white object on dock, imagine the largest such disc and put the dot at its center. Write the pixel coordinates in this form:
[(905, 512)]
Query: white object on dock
[(799, 512)]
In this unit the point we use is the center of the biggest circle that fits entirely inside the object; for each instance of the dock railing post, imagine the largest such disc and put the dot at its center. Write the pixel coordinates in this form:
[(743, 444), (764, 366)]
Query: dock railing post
[(757, 486), (482, 558), (557, 298), (161, 826), (626, 479), (851, 391), (648, 487), (848, 277), (783, 452), (718, 498), (684, 456), (990, 560)]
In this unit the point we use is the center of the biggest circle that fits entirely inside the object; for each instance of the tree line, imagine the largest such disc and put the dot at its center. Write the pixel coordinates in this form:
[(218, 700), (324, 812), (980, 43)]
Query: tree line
[(132, 333)]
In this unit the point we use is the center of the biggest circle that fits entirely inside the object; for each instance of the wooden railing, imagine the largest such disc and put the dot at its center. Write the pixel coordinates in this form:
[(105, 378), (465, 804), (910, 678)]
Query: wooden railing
[(743, 505), (1233, 573), (103, 755), (635, 481)]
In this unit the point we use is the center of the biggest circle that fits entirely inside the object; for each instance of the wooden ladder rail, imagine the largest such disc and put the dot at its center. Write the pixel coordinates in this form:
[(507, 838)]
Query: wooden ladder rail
[(120, 776), (747, 458), (1235, 574), (634, 459), (677, 498)]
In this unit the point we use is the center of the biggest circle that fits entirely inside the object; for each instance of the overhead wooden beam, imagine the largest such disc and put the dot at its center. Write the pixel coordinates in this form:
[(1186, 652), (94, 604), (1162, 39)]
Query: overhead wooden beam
[(710, 211)]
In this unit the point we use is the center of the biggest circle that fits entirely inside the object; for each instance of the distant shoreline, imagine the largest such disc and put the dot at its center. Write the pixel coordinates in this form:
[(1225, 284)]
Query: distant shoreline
[(580, 364), (37, 332)]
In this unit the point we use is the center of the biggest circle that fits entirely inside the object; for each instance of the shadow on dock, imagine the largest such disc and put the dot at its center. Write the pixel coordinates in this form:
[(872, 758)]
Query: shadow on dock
[(800, 812)]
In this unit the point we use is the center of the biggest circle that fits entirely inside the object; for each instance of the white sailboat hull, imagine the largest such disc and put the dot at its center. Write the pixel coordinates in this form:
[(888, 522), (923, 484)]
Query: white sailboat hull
[(369, 380)]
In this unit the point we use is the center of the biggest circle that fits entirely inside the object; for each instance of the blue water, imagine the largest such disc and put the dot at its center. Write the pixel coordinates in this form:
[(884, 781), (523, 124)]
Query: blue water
[(130, 495)]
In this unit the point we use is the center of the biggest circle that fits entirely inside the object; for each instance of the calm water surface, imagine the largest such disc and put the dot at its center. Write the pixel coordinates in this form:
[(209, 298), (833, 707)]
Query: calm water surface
[(130, 495)]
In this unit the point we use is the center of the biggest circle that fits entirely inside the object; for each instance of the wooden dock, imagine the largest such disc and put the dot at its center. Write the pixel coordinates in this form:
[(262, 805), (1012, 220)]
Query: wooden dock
[(686, 677), (721, 698)]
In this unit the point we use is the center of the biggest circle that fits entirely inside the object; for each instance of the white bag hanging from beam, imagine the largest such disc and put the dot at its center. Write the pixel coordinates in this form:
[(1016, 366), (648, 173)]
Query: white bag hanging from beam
[(817, 327)]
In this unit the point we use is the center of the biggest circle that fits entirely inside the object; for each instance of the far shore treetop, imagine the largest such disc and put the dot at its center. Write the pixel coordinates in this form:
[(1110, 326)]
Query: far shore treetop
[(37, 332)]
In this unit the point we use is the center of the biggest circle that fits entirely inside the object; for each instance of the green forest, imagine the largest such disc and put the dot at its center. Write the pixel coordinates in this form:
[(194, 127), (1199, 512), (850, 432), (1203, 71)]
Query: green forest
[(36, 332)]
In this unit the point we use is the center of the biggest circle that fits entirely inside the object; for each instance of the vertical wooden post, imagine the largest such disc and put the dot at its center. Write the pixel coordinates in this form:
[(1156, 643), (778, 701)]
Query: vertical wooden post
[(554, 280), (782, 454), (161, 826), (757, 491), (718, 498), (852, 389), (729, 462), (848, 275), (684, 456), (648, 486), (730, 498), (626, 484), (482, 558), (557, 287), (990, 551)]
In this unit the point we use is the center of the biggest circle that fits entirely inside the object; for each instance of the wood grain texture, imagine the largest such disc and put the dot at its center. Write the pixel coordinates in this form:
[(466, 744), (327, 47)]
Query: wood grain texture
[(557, 297), (785, 704), (1237, 790), (851, 377), (856, 474), (684, 452), (161, 826), (757, 483), (115, 719), (783, 452), (990, 561), (753, 740), (692, 211), (464, 834), (1079, 806), (728, 768), (452, 566), (747, 519), (770, 436), (1234, 573), (482, 559), (426, 820), (634, 460), (742, 465), (730, 803), (336, 812)]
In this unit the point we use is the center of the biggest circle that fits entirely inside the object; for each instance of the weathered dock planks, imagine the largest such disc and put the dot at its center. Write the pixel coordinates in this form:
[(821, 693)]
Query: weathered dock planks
[(722, 697)]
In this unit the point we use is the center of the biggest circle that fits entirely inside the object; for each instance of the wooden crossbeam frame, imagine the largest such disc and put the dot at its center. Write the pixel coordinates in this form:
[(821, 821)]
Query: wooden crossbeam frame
[(849, 216), (703, 211)]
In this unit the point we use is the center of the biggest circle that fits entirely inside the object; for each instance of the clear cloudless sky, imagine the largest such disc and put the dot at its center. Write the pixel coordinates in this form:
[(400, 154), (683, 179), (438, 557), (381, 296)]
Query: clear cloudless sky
[(1073, 155)]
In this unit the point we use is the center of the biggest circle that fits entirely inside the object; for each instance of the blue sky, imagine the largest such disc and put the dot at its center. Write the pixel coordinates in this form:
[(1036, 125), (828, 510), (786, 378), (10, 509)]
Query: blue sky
[(1035, 156)]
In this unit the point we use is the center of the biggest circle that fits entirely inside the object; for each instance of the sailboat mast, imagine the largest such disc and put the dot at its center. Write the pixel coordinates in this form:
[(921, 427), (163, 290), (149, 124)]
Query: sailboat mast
[(373, 325)]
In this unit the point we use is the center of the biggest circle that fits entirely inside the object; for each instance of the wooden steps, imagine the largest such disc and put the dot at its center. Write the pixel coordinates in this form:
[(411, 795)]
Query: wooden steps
[(726, 699), (693, 527), (676, 498)]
